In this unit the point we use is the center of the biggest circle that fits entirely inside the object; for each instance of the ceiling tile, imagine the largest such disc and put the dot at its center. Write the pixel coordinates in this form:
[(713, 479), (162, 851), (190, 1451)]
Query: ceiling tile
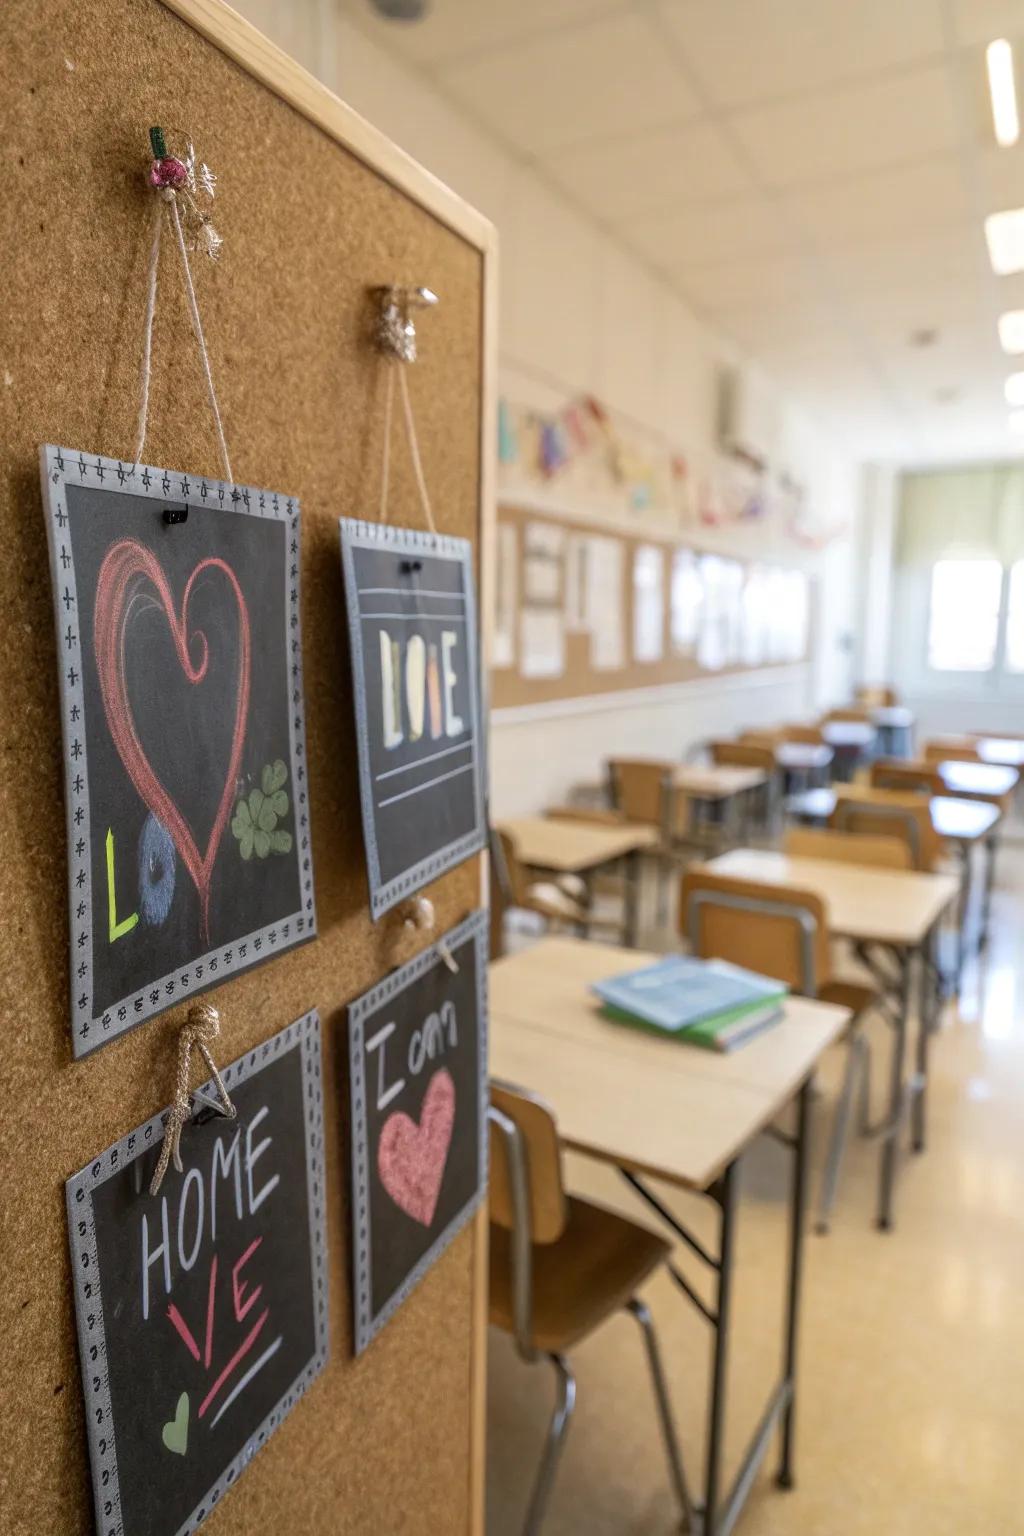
[(754, 50), (748, 284), (954, 255), (713, 232), (590, 82), (454, 28), (651, 173), (1000, 175), (980, 21), (876, 124), (909, 198)]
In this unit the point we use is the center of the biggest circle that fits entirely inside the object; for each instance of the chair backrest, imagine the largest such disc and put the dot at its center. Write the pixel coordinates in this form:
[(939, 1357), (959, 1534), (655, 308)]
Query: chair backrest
[(860, 715), (952, 749), (847, 847), (780, 931), (895, 773), (742, 754), (594, 814), (639, 787), (533, 1142), (807, 733), (762, 736), (876, 696), (907, 816), (508, 870)]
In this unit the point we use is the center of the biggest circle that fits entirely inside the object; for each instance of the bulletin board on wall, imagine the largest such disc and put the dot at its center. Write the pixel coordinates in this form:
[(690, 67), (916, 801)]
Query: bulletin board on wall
[(315, 208), (582, 608)]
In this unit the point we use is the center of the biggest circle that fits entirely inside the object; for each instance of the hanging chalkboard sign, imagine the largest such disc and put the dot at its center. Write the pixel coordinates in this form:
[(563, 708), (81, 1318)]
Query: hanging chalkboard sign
[(413, 640), (202, 1311), (418, 1067), (180, 658)]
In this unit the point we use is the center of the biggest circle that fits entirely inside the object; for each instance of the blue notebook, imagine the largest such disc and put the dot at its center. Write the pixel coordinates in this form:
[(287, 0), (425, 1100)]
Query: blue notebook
[(680, 991)]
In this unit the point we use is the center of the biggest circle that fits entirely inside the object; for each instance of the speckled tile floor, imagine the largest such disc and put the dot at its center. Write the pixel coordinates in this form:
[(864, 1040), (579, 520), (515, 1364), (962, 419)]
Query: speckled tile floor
[(910, 1417)]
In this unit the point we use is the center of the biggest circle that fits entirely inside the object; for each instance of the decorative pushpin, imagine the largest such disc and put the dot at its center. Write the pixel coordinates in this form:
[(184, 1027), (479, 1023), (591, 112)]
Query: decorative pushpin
[(396, 328)]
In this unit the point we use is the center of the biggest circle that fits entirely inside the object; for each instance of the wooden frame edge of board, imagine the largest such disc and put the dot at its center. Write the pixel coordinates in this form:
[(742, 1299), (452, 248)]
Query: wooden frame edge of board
[(265, 61), (279, 72)]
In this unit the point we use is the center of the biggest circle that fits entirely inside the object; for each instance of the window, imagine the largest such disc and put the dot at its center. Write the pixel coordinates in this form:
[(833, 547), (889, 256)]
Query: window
[(963, 615), (1014, 650)]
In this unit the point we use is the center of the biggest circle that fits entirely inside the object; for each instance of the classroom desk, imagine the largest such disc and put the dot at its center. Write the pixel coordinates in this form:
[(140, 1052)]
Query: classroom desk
[(579, 848), (895, 726), (966, 824), (655, 1108), (897, 911), (718, 795), (850, 740), (803, 761), (979, 781)]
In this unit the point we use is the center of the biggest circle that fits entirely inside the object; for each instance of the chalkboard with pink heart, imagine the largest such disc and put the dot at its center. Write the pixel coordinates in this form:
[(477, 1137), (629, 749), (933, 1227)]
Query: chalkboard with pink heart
[(180, 662), (417, 1059)]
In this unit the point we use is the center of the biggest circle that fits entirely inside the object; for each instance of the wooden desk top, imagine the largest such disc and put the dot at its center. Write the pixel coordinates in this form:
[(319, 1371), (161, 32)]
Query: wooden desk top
[(995, 779), (544, 842), (964, 821), (896, 716), (655, 1106), (883, 906), (715, 783)]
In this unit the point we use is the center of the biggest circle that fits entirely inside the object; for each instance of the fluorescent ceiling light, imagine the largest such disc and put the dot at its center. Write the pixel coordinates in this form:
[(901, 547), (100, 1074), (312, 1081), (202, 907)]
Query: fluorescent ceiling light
[(1016, 422), (1003, 90), (1004, 233), (1014, 388)]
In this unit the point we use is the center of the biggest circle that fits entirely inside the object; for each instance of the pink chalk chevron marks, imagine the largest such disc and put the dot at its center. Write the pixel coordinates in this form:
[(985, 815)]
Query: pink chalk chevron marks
[(411, 1158), (124, 564)]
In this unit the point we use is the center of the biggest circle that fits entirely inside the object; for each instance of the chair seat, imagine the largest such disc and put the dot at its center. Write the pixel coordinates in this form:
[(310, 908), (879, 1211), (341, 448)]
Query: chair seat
[(858, 996), (589, 1273), (549, 900)]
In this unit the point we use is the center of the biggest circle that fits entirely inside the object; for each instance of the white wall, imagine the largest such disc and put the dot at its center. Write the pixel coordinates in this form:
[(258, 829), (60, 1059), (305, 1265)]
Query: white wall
[(580, 316)]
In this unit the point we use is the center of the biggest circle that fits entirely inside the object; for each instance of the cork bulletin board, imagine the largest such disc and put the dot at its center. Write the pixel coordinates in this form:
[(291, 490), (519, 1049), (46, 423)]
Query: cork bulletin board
[(585, 608), (315, 207)]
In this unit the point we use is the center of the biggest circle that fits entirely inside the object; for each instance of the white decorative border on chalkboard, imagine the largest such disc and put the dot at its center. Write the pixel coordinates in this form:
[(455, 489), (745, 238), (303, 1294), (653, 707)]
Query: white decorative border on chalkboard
[(304, 1035), (472, 930), (358, 534), (88, 1029)]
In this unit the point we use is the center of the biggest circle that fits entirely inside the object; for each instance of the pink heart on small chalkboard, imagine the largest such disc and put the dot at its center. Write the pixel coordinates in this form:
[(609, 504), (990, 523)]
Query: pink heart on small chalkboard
[(411, 1158)]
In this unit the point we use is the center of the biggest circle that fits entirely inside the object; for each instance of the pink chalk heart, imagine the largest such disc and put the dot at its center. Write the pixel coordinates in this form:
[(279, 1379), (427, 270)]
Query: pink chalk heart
[(411, 1158)]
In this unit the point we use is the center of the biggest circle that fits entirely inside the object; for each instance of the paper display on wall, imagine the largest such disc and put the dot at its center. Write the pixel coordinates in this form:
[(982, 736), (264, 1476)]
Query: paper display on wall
[(603, 603), (543, 556), (506, 596), (541, 642)]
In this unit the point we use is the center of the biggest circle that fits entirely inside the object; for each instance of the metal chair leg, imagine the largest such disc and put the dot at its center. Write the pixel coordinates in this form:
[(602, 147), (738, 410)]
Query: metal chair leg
[(865, 1091), (641, 1312), (840, 1129), (564, 1405)]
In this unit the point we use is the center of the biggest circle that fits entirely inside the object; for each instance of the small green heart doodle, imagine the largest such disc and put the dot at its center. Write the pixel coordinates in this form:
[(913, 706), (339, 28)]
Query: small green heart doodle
[(255, 822), (175, 1434)]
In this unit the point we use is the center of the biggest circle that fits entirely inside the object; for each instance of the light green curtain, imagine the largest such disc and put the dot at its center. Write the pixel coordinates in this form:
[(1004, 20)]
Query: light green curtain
[(974, 512)]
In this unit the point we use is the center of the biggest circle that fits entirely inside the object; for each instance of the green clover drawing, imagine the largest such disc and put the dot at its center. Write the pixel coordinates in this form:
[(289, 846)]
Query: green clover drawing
[(255, 822)]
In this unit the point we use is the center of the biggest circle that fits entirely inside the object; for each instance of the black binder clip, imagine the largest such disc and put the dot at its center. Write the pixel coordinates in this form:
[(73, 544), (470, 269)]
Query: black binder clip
[(175, 515)]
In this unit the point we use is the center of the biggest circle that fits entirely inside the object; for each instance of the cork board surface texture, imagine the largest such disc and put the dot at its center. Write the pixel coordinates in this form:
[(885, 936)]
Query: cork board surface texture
[(380, 1445)]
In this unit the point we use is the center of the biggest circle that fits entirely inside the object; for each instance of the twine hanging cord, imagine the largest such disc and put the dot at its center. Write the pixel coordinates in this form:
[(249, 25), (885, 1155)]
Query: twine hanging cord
[(200, 1029), (394, 366), (165, 199)]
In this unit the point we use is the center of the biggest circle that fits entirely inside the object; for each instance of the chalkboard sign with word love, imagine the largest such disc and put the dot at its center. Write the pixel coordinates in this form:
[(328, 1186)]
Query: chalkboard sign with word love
[(180, 660), (202, 1310), (413, 640), (418, 1070)]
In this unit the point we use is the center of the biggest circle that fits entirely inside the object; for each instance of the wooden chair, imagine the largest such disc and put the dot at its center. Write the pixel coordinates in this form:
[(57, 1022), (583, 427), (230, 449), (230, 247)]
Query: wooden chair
[(562, 902), (808, 733), (952, 749), (560, 1267), (875, 696), (641, 790), (887, 813), (847, 847), (782, 931), (896, 773), (858, 715)]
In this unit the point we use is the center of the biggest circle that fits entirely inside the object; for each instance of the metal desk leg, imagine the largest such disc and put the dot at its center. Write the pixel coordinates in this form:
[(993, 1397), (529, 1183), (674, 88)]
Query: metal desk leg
[(890, 1147), (928, 1008), (991, 842), (726, 1195), (797, 1208), (632, 901)]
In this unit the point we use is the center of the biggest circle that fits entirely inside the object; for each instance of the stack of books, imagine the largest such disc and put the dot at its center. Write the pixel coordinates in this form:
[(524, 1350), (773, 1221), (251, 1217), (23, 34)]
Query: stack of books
[(709, 1003)]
